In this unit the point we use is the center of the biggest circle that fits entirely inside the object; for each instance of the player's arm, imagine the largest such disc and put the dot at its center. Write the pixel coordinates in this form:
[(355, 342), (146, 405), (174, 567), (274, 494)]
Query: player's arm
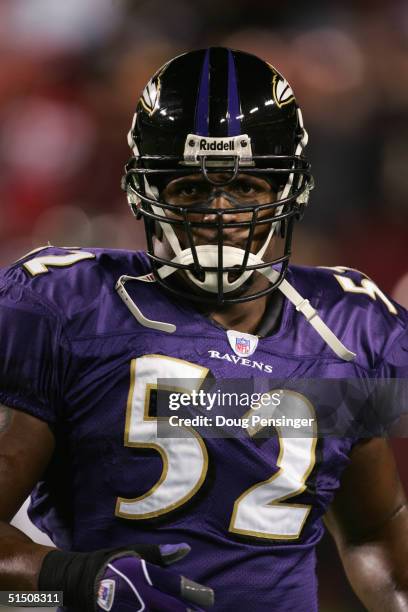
[(369, 522), (33, 349), (26, 446)]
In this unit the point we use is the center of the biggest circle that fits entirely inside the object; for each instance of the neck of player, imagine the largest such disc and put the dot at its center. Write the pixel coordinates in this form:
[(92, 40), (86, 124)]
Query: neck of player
[(248, 316)]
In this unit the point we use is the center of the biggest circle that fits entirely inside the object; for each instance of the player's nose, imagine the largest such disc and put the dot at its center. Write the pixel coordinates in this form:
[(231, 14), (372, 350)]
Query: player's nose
[(220, 201)]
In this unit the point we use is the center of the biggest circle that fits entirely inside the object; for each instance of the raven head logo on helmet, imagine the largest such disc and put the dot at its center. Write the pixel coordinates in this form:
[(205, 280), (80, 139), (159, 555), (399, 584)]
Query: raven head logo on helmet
[(218, 174)]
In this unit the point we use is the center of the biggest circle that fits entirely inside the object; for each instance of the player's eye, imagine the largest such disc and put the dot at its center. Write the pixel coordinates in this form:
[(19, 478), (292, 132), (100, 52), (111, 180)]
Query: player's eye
[(247, 188), (188, 190)]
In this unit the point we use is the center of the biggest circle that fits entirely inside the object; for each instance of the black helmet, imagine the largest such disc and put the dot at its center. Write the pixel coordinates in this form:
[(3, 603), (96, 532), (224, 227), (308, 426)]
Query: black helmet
[(215, 111)]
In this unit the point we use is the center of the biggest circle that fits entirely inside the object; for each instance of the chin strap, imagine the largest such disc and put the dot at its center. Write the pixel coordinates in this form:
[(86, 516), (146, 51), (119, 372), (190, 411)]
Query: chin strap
[(301, 304), (169, 328)]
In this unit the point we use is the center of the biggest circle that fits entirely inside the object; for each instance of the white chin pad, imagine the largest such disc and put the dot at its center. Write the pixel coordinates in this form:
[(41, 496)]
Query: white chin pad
[(208, 257)]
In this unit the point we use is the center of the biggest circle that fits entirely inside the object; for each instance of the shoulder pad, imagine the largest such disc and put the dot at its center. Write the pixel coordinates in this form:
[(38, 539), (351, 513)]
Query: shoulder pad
[(355, 309), (72, 278)]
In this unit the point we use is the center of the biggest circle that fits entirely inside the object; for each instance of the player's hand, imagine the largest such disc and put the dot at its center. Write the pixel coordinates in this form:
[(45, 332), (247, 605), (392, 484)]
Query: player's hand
[(131, 584)]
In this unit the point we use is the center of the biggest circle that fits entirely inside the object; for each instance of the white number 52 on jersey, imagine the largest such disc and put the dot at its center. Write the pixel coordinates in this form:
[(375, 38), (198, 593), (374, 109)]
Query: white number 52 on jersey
[(260, 511)]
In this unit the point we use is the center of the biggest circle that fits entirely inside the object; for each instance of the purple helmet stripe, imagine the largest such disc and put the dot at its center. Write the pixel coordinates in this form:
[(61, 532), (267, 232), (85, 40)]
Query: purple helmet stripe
[(234, 107), (203, 99)]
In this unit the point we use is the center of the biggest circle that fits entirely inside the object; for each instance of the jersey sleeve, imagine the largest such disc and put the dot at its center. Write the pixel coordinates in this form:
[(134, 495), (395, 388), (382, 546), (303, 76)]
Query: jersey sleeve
[(30, 335)]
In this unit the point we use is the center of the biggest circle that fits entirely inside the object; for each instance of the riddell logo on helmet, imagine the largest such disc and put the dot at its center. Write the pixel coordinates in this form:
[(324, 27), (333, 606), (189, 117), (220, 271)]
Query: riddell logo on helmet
[(217, 145), (197, 146)]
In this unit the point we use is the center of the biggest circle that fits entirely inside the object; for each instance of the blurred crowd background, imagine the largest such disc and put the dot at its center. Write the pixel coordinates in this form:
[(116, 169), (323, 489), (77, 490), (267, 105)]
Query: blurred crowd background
[(71, 74)]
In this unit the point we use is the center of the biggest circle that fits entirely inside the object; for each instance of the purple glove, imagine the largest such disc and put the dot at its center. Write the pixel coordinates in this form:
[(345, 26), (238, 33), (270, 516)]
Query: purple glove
[(131, 584)]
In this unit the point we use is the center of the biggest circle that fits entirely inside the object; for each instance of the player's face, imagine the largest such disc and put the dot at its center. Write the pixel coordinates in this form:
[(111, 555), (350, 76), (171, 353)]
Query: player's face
[(194, 192)]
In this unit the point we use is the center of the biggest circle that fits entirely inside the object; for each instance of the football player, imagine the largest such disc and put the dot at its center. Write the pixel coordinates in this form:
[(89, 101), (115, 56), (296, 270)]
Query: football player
[(219, 177)]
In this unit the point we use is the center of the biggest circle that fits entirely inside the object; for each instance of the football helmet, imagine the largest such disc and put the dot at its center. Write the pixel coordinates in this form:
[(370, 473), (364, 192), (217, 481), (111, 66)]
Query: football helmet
[(220, 114)]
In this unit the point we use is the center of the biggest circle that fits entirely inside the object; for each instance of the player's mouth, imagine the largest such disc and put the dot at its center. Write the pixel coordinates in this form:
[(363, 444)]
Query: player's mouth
[(230, 237)]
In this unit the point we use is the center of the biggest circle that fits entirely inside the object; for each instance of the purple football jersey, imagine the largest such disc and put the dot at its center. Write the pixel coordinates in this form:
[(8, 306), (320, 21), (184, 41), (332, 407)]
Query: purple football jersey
[(73, 354)]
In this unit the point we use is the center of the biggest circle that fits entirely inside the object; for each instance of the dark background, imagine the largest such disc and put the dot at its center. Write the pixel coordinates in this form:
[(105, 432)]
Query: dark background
[(70, 76)]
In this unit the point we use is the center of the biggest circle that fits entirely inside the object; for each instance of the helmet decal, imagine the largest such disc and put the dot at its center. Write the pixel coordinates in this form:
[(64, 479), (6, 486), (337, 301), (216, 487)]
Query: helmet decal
[(151, 95), (281, 91)]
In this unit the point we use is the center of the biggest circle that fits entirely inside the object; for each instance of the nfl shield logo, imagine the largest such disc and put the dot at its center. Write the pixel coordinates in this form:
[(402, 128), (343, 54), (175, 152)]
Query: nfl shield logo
[(241, 343), (242, 346)]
